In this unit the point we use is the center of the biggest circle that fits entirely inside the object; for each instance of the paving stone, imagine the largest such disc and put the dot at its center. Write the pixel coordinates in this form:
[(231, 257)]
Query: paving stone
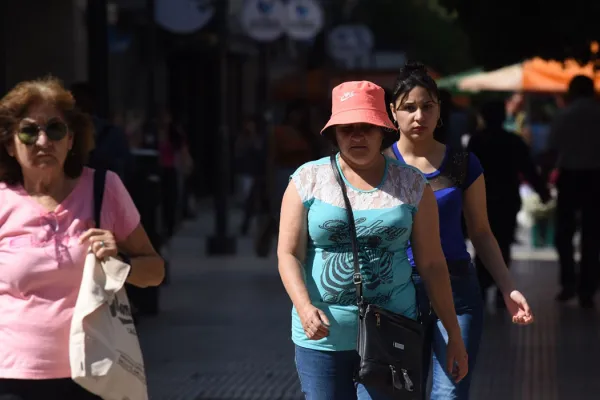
[(223, 334)]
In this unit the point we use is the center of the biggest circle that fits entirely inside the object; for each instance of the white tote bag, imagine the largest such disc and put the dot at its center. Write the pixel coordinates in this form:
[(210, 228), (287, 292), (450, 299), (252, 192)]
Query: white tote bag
[(104, 350)]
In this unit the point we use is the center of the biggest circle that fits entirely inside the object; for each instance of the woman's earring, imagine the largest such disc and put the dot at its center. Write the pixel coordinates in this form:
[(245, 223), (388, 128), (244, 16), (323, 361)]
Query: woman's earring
[(440, 123)]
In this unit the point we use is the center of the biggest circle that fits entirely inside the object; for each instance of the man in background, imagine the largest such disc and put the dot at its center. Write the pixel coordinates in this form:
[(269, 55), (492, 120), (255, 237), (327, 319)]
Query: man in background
[(112, 148), (575, 142), (504, 157)]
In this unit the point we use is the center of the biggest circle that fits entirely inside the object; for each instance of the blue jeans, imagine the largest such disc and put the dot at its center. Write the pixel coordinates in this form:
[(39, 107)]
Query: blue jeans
[(329, 375), (469, 310)]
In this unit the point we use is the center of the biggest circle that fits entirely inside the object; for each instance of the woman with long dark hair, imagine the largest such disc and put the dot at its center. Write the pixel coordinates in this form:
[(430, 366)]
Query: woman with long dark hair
[(456, 178)]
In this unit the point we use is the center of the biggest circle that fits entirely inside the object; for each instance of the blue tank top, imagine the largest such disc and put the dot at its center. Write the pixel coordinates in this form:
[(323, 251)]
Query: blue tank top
[(450, 204)]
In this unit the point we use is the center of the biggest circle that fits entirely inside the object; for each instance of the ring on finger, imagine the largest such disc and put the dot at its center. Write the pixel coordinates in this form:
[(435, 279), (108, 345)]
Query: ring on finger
[(102, 244)]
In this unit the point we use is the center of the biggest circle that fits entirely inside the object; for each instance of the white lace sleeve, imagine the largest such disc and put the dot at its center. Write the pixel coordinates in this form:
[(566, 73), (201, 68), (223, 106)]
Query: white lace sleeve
[(413, 185), (303, 179)]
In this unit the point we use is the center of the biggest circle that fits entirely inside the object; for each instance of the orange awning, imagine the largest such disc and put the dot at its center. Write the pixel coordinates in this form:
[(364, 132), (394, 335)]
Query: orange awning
[(506, 79), (535, 75), (554, 76)]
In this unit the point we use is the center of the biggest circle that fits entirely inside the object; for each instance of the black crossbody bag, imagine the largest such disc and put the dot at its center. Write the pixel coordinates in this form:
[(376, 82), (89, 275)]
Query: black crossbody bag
[(390, 345)]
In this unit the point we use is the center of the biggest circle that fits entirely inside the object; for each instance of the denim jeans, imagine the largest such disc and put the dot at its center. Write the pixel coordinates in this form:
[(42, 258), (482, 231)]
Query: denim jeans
[(469, 310), (329, 375)]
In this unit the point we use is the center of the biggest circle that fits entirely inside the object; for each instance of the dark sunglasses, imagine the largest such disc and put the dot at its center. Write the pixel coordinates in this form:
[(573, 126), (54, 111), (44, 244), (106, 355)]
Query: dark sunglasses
[(29, 132)]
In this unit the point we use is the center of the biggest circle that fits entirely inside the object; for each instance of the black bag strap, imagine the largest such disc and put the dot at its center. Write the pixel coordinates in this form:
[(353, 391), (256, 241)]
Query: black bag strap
[(99, 182), (356, 277)]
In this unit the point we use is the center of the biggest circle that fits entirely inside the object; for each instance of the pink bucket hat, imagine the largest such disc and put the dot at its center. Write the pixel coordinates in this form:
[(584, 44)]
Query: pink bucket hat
[(359, 102)]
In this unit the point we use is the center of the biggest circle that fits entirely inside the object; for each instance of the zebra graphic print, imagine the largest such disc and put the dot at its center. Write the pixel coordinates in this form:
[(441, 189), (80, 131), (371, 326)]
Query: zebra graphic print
[(375, 261)]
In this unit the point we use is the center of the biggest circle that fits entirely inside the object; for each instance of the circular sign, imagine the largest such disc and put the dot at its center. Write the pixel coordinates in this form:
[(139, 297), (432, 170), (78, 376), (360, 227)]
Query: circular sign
[(183, 16), (262, 20), (304, 19), (347, 41)]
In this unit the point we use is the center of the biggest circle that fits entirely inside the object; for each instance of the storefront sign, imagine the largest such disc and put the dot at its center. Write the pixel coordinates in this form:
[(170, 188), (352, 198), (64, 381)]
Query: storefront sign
[(183, 16), (350, 41), (262, 20), (304, 19)]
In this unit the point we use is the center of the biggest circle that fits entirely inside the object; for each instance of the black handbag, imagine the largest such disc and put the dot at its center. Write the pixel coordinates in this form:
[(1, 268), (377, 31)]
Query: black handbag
[(390, 345)]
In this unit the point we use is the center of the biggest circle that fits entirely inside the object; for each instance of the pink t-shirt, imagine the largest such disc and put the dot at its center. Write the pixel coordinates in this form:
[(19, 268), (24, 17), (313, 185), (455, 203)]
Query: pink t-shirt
[(41, 266)]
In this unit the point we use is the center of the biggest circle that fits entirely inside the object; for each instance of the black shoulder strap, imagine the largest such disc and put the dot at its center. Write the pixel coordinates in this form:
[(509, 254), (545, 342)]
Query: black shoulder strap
[(99, 181), (357, 277)]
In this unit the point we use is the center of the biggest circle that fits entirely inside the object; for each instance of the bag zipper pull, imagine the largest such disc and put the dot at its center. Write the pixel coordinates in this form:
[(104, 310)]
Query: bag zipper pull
[(378, 319), (407, 381), (395, 381)]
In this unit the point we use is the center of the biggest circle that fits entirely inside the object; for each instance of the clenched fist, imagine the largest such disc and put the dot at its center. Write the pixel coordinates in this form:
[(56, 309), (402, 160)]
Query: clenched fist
[(314, 322)]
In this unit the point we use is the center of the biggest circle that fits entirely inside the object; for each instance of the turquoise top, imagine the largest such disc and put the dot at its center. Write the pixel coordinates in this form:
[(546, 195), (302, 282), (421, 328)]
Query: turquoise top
[(384, 219)]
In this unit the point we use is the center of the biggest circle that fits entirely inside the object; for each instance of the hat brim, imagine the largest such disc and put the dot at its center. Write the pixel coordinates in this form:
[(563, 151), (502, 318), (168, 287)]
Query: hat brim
[(361, 116)]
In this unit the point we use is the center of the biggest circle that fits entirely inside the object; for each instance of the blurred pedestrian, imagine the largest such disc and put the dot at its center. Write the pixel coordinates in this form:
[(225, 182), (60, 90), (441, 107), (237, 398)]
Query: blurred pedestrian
[(290, 145), (111, 150), (250, 154), (505, 158), (575, 142)]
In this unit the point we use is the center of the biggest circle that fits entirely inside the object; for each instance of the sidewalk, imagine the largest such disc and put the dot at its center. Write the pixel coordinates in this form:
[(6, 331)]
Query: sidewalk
[(223, 328), (223, 333)]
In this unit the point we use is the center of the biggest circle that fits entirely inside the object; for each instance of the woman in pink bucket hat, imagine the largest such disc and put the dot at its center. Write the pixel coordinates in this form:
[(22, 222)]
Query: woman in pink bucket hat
[(392, 204)]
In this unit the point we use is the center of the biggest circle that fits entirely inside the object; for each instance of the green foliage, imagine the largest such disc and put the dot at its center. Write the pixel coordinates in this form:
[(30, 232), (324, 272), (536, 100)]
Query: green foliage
[(436, 7), (422, 28)]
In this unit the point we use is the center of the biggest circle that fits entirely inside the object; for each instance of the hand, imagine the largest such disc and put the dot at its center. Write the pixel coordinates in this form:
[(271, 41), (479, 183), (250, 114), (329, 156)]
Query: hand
[(457, 359), (517, 306), (102, 242), (314, 322)]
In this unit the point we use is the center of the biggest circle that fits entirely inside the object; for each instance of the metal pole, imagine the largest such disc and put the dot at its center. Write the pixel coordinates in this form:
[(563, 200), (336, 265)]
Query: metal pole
[(262, 99), (145, 187), (221, 243), (329, 67), (98, 54)]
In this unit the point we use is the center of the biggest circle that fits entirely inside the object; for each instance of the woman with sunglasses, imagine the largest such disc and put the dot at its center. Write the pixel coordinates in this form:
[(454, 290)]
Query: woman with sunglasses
[(456, 178), (46, 229)]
